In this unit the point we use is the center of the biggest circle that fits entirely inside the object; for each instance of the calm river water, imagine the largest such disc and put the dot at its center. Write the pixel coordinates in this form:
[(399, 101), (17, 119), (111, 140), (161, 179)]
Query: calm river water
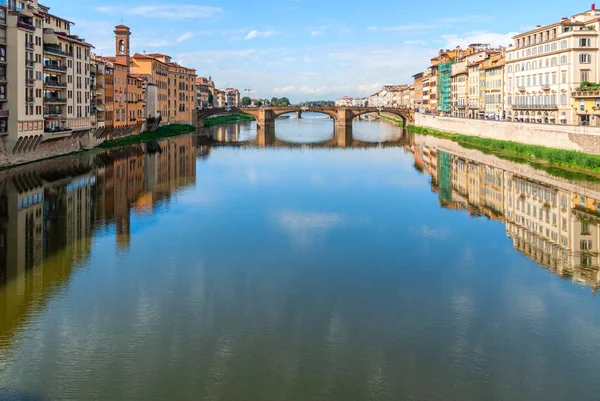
[(300, 264)]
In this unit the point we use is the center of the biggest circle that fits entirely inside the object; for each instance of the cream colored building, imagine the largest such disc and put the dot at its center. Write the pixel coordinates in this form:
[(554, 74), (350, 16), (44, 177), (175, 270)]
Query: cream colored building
[(493, 69), (459, 89), (545, 65), (48, 76)]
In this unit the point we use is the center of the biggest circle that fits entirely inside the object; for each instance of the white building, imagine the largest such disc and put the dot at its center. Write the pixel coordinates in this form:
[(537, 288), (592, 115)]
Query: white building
[(545, 65)]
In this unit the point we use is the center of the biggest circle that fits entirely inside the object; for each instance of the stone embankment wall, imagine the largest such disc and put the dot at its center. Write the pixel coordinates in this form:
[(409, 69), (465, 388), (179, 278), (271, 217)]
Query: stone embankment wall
[(48, 148), (569, 137)]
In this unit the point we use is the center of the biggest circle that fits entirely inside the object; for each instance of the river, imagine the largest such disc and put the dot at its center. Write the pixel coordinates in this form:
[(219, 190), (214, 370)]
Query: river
[(301, 263)]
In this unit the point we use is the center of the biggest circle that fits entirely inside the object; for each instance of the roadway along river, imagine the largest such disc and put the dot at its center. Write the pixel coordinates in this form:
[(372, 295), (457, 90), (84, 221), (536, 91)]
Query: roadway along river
[(301, 264)]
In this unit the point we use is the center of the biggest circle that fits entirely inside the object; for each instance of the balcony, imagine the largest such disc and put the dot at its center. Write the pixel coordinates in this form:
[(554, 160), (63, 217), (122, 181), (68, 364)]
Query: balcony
[(26, 26), (57, 51), (54, 99), (522, 89), (3, 97), (4, 113), (53, 112), (57, 129), (55, 67), (535, 107), (545, 87), (29, 99), (29, 82), (53, 83), (584, 94), (29, 63), (29, 45)]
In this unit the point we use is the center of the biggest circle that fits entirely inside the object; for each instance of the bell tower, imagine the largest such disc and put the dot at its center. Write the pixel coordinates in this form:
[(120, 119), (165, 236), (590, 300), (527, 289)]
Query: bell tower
[(122, 35)]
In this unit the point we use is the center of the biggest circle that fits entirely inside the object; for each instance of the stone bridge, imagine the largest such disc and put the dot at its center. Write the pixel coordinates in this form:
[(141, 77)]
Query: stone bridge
[(265, 116)]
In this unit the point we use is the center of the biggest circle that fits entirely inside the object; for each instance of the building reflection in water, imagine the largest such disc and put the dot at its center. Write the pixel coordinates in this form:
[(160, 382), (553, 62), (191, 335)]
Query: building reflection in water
[(551, 221), (50, 210)]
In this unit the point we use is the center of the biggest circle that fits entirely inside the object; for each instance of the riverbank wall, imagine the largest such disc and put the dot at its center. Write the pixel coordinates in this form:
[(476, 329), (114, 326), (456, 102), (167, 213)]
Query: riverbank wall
[(568, 137), (77, 142)]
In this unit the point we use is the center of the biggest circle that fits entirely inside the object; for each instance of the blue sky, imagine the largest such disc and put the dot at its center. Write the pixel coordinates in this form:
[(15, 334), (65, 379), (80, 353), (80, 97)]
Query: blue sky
[(307, 49)]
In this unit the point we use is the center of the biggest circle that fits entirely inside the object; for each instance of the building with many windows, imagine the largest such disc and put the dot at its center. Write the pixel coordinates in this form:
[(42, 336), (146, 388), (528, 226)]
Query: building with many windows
[(46, 74), (546, 65)]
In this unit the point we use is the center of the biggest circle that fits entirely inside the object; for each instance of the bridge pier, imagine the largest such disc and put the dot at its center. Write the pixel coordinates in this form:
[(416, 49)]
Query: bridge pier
[(265, 136), (343, 136), (299, 114)]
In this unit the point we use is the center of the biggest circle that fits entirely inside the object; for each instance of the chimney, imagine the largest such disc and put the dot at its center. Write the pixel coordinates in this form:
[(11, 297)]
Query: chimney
[(593, 6), (538, 26)]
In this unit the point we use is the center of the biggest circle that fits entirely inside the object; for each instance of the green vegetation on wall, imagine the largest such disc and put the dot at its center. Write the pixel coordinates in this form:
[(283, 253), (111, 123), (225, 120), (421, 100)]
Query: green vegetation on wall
[(559, 157), (147, 136), (209, 122)]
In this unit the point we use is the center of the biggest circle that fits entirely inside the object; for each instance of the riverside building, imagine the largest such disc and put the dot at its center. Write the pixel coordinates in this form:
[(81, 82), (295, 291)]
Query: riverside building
[(546, 65), (44, 77)]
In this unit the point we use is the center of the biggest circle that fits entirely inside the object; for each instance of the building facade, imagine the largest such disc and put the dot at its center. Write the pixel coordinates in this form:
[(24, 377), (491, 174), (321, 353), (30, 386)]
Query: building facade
[(547, 64), (45, 92)]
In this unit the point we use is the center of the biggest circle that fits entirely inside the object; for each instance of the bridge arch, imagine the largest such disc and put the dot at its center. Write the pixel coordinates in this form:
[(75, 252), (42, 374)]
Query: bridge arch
[(295, 110), (398, 113)]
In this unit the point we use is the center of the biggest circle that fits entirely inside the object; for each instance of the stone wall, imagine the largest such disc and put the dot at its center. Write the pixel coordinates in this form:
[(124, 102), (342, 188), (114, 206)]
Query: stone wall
[(48, 148), (569, 137)]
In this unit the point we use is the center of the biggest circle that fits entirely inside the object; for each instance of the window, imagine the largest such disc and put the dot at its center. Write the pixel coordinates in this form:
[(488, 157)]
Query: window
[(582, 105), (585, 58), (563, 59), (585, 76), (564, 77), (585, 42), (563, 44)]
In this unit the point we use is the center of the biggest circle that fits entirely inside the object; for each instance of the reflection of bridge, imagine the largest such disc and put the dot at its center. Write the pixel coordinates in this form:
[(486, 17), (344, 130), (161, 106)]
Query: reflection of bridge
[(342, 138), (265, 116)]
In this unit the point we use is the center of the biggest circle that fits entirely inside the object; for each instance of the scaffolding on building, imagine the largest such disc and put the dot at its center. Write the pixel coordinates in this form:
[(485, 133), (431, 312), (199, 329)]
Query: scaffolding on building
[(445, 87)]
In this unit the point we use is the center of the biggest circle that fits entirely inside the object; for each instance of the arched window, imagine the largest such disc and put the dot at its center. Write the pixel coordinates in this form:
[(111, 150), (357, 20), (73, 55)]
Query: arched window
[(510, 68), (121, 46), (585, 58), (534, 65), (528, 66), (518, 68)]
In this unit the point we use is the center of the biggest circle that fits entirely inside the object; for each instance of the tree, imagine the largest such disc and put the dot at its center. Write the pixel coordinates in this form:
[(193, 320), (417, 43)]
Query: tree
[(210, 99), (258, 104), (283, 102), (274, 101), (246, 101)]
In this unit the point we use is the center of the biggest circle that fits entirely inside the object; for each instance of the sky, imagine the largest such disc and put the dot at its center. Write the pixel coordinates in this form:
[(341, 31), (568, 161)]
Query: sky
[(307, 49)]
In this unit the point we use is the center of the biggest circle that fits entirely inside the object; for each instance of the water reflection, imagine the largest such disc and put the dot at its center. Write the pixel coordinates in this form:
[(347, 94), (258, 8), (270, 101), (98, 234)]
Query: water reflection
[(281, 289), (552, 221), (51, 210)]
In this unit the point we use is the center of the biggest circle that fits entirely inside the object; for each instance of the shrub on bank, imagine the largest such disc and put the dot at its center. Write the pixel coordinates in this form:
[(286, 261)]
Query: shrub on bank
[(560, 157), (209, 122), (161, 133)]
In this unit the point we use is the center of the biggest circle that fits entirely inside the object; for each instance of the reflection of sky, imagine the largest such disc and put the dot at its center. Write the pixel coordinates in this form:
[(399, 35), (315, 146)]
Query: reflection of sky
[(297, 275)]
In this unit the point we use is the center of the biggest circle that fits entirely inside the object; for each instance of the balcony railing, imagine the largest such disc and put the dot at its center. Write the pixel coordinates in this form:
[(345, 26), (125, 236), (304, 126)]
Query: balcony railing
[(522, 89), (545, 87), (54, 99), (29, 99), (58, 84), (2, 78), (55, 67), (29, 63), (57, 129), (29, 82), (56, 51), (592, 93), (53, 113), (536, 107), (29, 45), (25, 25)]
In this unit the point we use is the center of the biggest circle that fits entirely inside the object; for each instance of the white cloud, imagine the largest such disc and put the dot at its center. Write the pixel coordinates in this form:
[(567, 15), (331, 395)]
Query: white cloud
[(171, 12), (258, 34), (318, 31), (284, 90)]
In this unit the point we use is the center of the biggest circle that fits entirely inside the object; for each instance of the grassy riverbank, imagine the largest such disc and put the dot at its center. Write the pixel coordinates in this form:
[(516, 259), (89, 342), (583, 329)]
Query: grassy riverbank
[(163, 132), (532, 153), (209, 122), (399, 122)]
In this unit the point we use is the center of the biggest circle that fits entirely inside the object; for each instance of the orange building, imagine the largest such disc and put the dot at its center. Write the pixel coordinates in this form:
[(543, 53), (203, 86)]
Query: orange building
[(176, 85), (157, 73)]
